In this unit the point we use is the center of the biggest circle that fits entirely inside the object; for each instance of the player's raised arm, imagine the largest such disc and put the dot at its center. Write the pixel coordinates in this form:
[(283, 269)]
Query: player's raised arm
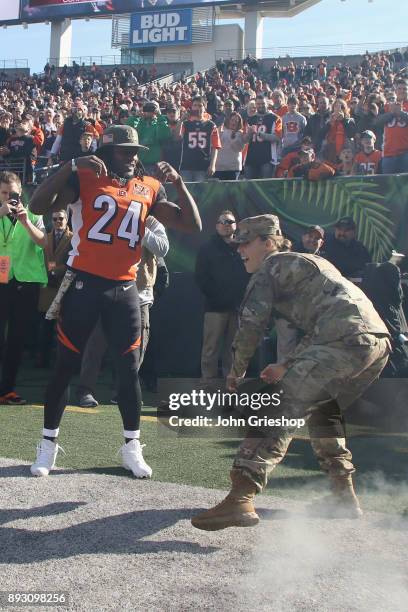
[(62, 188), (184, 215)]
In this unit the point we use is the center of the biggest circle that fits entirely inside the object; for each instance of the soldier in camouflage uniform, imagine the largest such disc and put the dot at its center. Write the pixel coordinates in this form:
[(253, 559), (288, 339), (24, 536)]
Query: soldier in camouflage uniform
[(344, 349)]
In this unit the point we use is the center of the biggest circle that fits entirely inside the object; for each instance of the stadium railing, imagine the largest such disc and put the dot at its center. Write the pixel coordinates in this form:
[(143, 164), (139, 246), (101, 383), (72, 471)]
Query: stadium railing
[(119, 60), (18, 166), (312, 51), (168, 79), (9, 64)]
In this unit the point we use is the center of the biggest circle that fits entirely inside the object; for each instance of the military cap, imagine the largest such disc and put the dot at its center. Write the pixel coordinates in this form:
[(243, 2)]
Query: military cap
[(120, 136), (262, 225)]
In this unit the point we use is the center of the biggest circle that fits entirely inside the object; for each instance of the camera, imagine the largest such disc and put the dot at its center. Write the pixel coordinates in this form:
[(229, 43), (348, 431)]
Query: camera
[(14, 200)]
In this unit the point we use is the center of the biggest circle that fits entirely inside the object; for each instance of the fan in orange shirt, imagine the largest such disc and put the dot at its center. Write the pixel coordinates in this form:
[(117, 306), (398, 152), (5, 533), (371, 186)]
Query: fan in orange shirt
[(279, 106), (368, 160), (395, 122), (310, 169), (292, 159)]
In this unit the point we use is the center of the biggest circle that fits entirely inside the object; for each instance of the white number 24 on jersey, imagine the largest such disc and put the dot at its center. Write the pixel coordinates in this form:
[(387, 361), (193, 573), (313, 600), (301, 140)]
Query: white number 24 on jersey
[(129, 227)]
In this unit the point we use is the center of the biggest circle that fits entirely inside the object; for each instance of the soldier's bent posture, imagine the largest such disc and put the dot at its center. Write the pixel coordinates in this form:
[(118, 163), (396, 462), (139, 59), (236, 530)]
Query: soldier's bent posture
[(344, 349)]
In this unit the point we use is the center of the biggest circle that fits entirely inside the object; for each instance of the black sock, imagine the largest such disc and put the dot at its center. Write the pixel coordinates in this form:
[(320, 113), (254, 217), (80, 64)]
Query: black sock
[(50, 438), (127, 440)]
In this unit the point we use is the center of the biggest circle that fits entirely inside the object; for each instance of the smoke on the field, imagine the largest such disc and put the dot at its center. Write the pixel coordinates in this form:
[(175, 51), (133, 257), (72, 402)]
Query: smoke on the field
[(305, 564)]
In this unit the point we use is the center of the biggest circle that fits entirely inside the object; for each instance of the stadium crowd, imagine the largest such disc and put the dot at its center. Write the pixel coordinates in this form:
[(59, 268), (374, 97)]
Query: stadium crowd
[(312, 121), (298, 120)]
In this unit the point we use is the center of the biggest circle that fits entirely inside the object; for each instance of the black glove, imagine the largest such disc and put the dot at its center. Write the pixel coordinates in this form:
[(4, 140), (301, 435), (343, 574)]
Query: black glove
[(162, 281)]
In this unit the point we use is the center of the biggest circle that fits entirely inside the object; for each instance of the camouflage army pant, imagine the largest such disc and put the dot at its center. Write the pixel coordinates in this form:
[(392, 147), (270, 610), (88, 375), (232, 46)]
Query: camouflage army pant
[(325, 377)]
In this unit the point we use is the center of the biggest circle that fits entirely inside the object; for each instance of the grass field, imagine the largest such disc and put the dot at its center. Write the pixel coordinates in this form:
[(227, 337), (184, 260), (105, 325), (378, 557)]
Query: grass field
[(91, 439), (113, 542)]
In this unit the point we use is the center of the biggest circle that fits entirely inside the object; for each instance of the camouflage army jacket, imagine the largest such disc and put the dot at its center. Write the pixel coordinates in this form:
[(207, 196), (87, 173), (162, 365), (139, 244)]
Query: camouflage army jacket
[(310, 293)]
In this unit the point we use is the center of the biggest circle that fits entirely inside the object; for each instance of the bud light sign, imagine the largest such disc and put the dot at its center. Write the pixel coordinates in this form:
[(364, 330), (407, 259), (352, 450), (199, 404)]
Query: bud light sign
[(154, 29)]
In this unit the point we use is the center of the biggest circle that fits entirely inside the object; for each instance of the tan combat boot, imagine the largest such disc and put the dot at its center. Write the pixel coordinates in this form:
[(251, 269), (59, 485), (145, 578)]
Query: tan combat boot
[(236, 510), (345, 501)]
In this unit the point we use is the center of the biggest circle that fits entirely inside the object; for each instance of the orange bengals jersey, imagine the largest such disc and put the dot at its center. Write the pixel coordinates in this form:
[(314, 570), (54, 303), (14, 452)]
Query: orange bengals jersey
[(108, 224), (368, 164), (395, 135), (280, 111)]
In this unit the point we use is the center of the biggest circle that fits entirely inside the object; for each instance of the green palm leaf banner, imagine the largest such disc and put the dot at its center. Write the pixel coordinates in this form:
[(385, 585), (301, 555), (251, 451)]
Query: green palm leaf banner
[(378, 204)]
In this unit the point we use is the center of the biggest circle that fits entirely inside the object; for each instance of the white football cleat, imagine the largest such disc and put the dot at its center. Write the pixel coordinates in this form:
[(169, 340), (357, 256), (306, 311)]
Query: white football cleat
[(132, 459), (47, 452)]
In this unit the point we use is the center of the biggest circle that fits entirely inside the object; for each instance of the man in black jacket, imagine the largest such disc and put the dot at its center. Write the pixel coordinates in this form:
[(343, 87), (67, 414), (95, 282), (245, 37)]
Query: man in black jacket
[(345, 252), (67, 143), (316, 122), (222, 278), (311, 241)]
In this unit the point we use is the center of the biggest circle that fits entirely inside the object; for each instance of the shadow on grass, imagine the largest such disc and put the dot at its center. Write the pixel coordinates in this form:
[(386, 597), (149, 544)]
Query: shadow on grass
[(23, 471), (120, 534), (15, 514)]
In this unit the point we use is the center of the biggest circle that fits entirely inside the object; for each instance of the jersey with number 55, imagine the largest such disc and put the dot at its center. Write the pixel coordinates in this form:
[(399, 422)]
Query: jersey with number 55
[(199, 138), (108, 224)]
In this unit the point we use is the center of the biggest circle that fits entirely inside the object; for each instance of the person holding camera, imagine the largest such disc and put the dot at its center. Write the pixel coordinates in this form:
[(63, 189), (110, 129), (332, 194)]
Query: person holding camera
[(22, 272)]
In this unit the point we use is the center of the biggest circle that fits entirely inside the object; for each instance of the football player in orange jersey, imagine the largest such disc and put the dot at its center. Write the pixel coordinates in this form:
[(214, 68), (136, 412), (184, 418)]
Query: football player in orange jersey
[(110, 198)]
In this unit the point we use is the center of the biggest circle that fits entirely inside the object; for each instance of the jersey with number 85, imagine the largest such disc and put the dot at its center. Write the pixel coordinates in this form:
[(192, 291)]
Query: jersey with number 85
[(108, 224)]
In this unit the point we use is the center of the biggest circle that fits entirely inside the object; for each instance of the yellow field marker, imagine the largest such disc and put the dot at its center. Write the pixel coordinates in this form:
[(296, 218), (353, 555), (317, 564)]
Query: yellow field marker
[(89, 411), (70, 409)]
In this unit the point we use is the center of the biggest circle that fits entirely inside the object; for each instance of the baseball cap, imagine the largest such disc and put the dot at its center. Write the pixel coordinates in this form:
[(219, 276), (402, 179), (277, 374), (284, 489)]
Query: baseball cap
[(368, 134), (262, 225), (120, 136), (346, 222), (315, 228), (150, 107), (89, 129)]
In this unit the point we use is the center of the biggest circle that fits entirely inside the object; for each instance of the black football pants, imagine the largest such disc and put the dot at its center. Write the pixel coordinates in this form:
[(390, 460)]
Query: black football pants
[(117, 304)]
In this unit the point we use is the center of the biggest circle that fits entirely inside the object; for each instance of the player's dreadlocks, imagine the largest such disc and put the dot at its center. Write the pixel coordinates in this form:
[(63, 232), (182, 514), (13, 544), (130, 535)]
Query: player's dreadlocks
[(105, 154)]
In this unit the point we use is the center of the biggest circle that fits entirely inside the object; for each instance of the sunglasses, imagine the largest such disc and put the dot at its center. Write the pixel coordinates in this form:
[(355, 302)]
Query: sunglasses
[(227, 222), (58, 218)]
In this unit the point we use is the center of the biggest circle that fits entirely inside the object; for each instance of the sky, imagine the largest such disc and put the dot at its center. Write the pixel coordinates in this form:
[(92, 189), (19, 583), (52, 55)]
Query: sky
[(328, 22)]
